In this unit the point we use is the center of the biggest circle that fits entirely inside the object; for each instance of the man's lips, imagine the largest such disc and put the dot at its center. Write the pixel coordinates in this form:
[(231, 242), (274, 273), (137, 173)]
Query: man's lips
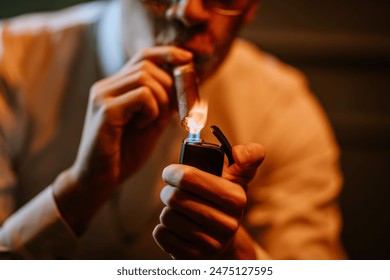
[(199, 44)]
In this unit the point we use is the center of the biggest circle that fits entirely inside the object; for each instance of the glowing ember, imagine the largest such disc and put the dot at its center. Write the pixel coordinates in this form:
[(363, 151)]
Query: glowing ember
[(197, 117)]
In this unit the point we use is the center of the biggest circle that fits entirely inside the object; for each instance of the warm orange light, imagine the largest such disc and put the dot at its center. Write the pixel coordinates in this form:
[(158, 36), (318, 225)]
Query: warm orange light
[(197, 117)]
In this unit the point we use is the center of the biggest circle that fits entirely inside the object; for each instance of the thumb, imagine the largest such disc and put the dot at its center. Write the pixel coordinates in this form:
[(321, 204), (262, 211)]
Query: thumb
[(247, 160)]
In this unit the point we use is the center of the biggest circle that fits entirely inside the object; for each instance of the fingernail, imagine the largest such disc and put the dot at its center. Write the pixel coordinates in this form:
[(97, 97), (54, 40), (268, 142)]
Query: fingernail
[(184, 54), (249, 155), (186, 57)]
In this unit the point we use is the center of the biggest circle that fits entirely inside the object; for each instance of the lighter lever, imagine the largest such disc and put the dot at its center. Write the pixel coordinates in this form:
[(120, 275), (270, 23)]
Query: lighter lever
[(206, 156)]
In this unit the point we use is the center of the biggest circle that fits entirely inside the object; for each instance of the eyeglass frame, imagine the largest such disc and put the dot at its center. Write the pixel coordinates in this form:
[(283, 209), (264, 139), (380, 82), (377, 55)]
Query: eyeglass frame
[(221, 11)]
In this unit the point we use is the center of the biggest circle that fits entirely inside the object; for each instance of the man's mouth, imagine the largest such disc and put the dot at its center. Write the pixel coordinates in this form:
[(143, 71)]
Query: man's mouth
[(200, 42), (197, 41)]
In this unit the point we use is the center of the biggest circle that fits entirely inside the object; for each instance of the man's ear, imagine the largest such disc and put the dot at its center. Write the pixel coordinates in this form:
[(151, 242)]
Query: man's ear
[(251, 11)]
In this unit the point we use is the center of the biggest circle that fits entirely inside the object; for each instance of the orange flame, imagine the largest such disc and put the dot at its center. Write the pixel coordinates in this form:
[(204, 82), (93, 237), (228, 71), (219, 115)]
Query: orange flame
[(197, 117)]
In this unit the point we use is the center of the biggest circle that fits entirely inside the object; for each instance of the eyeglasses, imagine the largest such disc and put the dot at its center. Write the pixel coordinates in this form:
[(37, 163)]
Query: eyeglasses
[(222, 7)]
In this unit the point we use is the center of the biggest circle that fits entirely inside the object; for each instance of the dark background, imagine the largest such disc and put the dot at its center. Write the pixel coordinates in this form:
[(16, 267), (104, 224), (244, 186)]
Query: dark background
[(344, 49)]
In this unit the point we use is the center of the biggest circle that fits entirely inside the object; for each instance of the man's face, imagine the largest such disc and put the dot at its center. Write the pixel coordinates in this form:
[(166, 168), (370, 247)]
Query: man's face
[(194, 25)]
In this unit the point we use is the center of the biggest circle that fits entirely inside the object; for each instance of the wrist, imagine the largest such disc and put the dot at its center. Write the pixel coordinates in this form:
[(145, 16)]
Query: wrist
[(76, 200)]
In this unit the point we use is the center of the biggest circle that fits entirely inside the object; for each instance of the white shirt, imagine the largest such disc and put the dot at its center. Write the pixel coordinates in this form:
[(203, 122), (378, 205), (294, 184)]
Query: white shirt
[(49, 61)]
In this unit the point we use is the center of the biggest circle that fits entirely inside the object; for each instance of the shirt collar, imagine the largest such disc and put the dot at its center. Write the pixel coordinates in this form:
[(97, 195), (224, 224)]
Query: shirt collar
[(110, 49)]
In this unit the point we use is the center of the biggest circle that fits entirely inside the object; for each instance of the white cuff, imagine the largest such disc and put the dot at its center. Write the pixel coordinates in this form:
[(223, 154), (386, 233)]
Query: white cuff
[(37, 230)]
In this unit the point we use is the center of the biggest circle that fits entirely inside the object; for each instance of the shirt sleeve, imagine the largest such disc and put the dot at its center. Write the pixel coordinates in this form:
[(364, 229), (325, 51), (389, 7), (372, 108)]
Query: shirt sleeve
[(35, 231)]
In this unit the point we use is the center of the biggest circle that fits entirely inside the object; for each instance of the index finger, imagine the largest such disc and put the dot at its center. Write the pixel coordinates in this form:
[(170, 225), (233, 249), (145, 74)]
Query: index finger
[(163, 54), (226, 195)]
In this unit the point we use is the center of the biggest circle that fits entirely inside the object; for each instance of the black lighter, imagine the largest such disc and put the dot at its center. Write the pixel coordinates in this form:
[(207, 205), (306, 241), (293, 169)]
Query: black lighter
[(206, 156)]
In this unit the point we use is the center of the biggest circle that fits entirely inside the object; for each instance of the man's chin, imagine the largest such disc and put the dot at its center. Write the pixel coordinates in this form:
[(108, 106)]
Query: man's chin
[(206, 65)]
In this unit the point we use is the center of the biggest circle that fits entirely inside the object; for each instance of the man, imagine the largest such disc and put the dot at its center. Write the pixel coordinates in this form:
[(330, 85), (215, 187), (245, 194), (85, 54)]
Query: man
[(90, 186)]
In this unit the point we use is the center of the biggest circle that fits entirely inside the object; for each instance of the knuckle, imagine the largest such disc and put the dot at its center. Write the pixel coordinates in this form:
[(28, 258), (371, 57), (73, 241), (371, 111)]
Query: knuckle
[(187, 173), (144, 93), (158, 233), (96, 90), (171, 197), (209, 247), (143, 76), (96, 98), (170, 82), (241, 200), (174, 200), (141, 54), (154, 113), (215, 247), (164, 98), (164, 216), (145, 65), (231, 226), (144, 96), (105, 109), (170, 50)]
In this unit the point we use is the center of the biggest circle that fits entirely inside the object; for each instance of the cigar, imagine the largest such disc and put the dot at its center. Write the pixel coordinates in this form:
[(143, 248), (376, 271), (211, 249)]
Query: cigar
[(186, 84)]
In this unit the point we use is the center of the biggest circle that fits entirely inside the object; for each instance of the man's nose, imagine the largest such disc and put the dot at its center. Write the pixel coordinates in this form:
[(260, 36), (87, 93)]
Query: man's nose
[(189, 12)]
